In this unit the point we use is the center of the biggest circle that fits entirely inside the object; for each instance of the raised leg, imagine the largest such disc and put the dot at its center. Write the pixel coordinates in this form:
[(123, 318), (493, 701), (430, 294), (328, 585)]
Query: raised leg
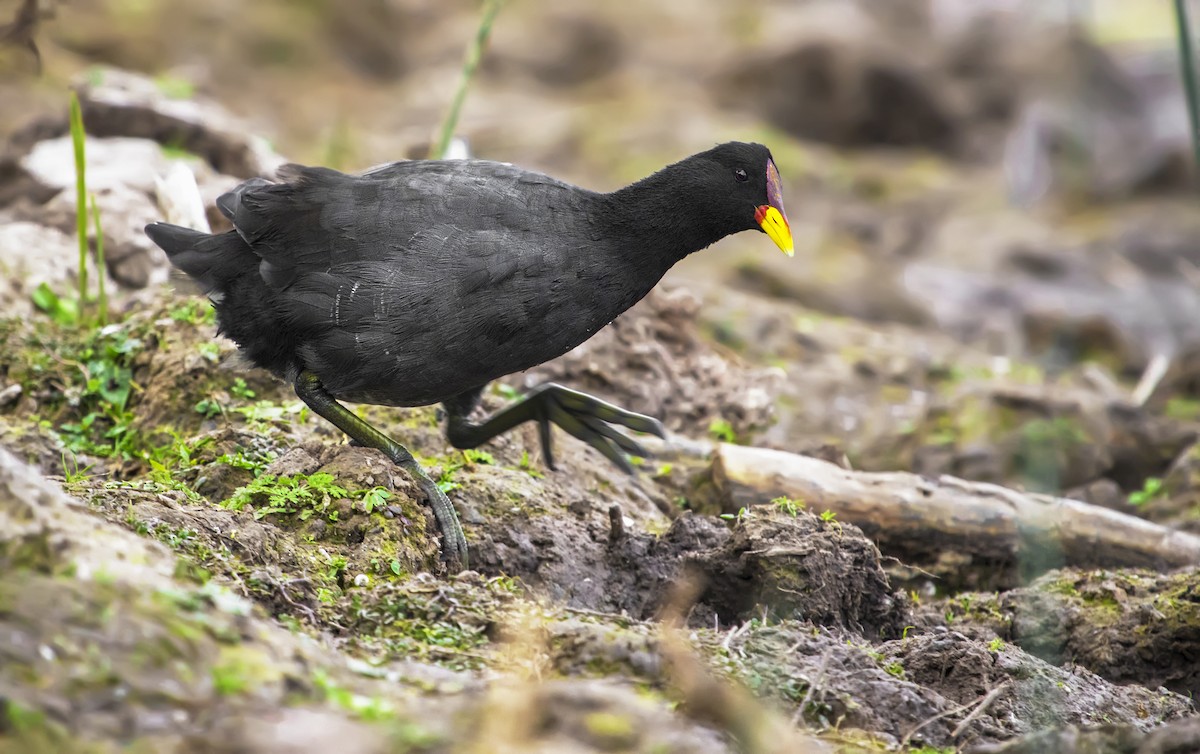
[(454, 542), (581, 415)]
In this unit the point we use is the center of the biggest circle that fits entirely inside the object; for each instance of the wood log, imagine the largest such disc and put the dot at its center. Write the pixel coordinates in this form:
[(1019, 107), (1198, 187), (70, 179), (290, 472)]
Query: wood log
[(971, 534)]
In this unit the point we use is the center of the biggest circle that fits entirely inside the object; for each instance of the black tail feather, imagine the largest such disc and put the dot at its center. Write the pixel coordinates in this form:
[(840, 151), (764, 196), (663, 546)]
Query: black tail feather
[(211, 260)]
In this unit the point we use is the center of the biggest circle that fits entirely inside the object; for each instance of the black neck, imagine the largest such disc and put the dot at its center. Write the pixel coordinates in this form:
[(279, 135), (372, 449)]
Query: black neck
[(661, 219)]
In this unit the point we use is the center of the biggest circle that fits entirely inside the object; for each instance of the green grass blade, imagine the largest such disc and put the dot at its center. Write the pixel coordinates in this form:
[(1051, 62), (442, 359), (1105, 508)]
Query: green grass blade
[(100, 268), (77, 138), (1187, 63), (470, 63)]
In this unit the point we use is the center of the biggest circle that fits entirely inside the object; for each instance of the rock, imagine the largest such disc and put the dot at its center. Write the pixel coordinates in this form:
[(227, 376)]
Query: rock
[(295, 731), (116, 162), (803, 568), (56, 264), (370, 38), (1175, 737), (1178, 500), (10, 395), (849, 85), (360, 468), (1131, 627), (121, 103), (1121, 113), (294, 461), (132, 258), (1103, 492), (44, 531), (559, 50)]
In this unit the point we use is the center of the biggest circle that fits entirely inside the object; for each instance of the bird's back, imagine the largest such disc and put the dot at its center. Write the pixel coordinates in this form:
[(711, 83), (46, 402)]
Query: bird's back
[(410, 283)]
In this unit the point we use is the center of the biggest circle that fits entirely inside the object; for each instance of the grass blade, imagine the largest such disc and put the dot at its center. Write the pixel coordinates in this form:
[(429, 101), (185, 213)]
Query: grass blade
[(470, 63), (1187, 62), (77, 138), (100, 268)]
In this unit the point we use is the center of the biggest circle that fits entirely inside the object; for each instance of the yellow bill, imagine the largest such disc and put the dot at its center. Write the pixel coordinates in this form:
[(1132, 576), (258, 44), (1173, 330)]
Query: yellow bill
[(771, 216), (775, 225)]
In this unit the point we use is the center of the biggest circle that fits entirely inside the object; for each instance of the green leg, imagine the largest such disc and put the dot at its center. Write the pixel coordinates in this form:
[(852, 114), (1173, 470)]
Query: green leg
[(581, 415), (454, 542)]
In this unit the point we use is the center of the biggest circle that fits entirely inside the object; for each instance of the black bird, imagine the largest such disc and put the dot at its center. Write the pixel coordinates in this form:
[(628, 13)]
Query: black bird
[(420, 282)]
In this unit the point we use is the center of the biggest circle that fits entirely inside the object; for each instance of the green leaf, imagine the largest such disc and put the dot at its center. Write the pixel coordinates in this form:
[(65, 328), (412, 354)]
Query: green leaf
[(375, 498)]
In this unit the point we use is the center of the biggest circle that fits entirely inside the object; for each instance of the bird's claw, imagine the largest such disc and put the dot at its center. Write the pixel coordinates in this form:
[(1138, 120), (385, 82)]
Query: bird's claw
[(454, 541), (590, 419)]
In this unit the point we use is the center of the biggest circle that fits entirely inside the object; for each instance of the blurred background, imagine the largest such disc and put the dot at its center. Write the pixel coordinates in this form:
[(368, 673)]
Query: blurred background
[(993, 202)]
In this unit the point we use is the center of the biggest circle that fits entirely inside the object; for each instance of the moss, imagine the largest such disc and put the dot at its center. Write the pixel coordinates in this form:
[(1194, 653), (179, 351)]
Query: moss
[(1066, 586), (610, 731), (241, 670), (447, 624), (24, 730)]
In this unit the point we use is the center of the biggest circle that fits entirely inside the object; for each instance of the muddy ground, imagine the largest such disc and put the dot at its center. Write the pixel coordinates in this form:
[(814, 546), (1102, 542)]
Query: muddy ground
[(190, 561)]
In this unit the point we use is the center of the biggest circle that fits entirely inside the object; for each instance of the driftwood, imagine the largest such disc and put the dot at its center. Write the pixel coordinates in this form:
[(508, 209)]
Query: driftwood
[(969, 533)]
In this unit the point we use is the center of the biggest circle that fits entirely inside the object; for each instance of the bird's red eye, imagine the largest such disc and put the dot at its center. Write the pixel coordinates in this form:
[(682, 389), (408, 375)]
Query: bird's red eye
[(741, 175)]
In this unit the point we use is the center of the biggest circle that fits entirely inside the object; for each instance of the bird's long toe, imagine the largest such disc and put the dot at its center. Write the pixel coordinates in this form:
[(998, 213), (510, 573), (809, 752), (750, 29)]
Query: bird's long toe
[(625, 443), (582, 403), (547, 448), (582, 427), (454, 541)]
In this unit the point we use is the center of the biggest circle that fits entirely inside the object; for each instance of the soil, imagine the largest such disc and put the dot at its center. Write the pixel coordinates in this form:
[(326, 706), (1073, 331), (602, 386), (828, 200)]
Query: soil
[(190, 561)]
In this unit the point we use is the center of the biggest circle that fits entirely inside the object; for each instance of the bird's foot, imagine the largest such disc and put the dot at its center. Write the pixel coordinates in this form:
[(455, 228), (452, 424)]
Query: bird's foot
[(454, 540), (590, 419)]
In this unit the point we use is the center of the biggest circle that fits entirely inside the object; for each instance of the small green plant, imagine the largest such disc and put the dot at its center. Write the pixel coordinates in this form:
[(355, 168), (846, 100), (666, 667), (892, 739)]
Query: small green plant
[(208, 408), (996, 644), (502, 583), (721, 429), (104, 427), (336, 566), (474, 456), (371, 709), (241, 390), (301, 495), (526, 465), (72, 472), (193, 311), (506, 391), (1151, 489), (445, 481), (787, 505), (894, 669), (742, 514), (375, 499), (175, 87), (210, 350), (830, 518), (63, 311)]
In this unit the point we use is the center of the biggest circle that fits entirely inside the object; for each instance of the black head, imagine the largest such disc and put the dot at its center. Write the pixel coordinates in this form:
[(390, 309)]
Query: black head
[(743, 189)]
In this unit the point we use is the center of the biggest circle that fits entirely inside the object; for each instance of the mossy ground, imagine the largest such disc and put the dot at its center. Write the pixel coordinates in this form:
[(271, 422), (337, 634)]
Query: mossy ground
[(283, 542)]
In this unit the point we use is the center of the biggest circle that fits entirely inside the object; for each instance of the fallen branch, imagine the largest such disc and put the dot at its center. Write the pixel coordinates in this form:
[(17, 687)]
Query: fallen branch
[(949, 525)]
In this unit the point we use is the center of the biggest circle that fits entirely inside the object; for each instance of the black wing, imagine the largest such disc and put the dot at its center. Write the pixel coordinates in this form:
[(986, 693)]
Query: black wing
[(316, 218)]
